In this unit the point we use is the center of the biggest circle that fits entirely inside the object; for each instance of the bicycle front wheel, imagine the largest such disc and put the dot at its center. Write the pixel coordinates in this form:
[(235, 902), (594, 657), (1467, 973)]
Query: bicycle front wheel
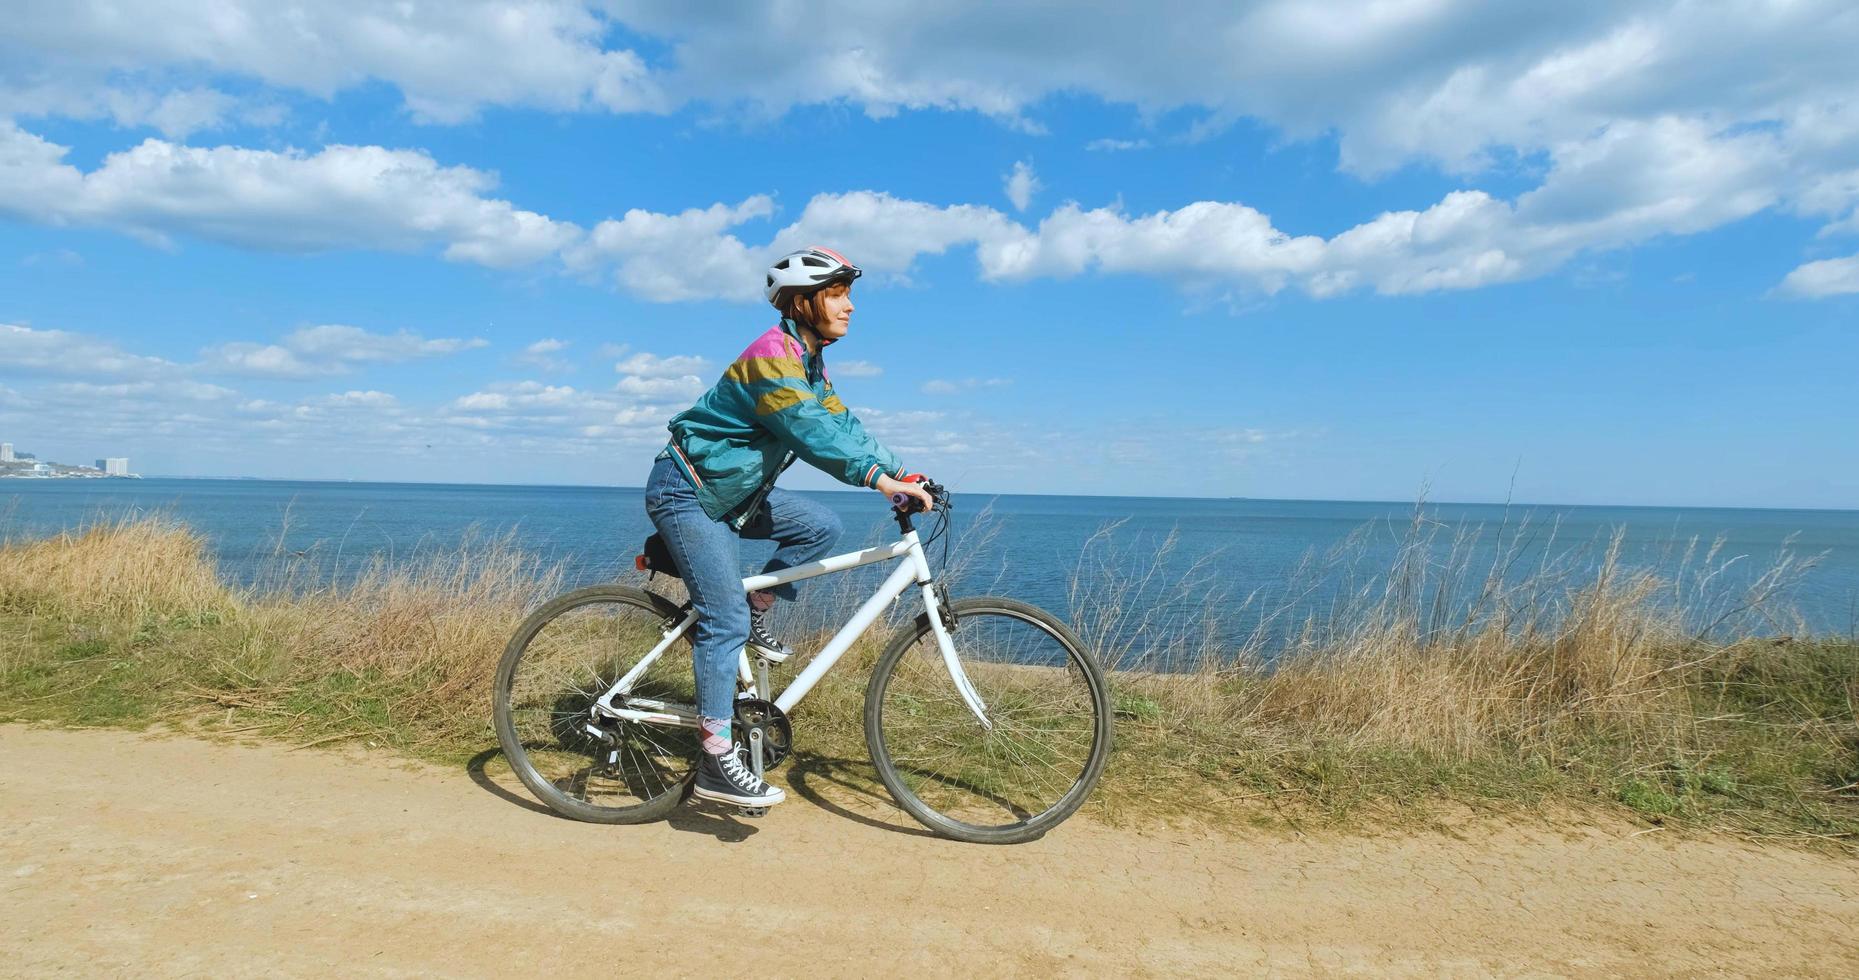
[(584, 763), (1048, 731)]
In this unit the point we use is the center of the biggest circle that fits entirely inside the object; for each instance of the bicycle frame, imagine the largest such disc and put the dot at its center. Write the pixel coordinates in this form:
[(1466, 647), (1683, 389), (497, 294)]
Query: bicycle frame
[(915, 569)]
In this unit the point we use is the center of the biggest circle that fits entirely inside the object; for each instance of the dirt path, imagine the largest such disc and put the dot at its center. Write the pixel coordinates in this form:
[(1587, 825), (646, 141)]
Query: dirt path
[(122, 854)]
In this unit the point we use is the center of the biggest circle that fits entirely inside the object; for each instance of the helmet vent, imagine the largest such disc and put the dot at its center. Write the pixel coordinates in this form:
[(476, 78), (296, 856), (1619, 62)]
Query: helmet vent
[(804, 270)]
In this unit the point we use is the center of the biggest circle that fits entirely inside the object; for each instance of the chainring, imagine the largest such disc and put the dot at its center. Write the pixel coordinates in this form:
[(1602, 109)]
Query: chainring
[(755, 714)]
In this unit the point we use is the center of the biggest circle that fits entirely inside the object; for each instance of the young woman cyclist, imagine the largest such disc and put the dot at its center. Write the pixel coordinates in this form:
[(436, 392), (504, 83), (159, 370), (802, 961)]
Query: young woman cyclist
[(714, 484)]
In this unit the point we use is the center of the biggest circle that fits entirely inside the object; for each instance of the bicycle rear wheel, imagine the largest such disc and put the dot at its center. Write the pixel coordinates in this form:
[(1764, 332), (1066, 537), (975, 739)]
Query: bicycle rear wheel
[(584, 764), (1047, 701)]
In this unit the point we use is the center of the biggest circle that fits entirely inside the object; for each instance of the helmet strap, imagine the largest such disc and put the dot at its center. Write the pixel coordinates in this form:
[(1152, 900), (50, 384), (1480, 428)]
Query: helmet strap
[(819, 340)]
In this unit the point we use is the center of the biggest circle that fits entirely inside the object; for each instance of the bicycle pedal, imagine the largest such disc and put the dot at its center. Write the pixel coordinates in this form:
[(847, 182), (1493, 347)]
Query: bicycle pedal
[(754, 811)]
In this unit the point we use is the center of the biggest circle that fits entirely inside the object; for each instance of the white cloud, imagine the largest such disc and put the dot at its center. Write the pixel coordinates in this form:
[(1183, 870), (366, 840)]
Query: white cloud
[(1459, 84), (180, 388), (61, 352), (261, 360), (1111, 145), (1020, 184), (360, 399), (176, 113), (697, 254), (541, 355), (524, 397), (649, 379), (447, 59), (939, 386), (327, 349), (936, 441), (886, 234), (1617, 187), (634, 411), (662, 389), (1827, 277), (1645, 118), (653, 366), (338, 342), (557, 417), (1395, 81), (854, 369), (122, 398), (54, 257), (673, 257), (341, 197)]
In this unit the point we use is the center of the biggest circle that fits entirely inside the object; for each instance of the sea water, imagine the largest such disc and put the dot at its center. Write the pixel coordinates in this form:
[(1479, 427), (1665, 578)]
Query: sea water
[(1254, 569)]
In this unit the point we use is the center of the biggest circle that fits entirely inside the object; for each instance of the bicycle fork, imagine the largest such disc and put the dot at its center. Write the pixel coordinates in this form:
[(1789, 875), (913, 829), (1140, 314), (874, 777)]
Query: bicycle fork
[(946, 644)]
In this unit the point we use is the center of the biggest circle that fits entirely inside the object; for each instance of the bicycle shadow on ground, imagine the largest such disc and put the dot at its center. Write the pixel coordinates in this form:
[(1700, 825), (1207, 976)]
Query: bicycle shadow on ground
[(692, 816), (719, 820), (475, 769), (806, 771)]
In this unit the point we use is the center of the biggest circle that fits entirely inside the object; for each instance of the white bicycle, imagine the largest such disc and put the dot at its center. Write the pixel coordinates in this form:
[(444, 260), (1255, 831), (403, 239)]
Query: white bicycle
[(986, 719)]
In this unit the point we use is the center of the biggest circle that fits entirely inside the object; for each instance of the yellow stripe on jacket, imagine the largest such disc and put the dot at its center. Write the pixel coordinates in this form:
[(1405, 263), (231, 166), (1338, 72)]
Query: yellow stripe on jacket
[(781, 398), (748, 370)]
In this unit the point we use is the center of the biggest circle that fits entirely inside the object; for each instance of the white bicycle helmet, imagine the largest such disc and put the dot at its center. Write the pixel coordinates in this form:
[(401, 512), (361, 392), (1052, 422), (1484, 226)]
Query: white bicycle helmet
[(805, 271)]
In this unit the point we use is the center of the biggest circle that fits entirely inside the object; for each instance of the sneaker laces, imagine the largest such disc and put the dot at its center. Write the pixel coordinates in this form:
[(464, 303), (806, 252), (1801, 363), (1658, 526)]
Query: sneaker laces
[(740, 774), (759, 634)]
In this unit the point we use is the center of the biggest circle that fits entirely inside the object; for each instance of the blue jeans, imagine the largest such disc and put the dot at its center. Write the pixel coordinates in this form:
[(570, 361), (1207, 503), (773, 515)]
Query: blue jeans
[(709, 554)]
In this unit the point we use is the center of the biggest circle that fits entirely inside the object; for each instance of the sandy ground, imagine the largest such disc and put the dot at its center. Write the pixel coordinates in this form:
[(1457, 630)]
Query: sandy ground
[(132, 855)]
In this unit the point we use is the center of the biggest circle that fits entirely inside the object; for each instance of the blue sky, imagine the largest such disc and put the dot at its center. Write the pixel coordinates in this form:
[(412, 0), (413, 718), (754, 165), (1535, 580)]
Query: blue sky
[(1609, 252)]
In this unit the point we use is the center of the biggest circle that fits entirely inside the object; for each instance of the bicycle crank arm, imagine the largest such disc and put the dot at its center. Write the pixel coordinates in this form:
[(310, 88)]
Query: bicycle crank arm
[(755, 764)]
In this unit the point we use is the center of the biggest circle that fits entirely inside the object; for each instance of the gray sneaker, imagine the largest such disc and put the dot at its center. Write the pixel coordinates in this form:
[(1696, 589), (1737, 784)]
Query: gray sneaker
[(725, 779), (764, 643)]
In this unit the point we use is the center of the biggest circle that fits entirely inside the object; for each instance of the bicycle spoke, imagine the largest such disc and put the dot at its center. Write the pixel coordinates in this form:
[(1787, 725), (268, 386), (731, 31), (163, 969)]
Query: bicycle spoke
[(1043, 743), (576, 649)]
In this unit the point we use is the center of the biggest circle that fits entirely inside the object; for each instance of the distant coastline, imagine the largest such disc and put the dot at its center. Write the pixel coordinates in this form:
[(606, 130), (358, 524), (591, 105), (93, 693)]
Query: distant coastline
[(30, 468), (68, 476), (1516, 505)]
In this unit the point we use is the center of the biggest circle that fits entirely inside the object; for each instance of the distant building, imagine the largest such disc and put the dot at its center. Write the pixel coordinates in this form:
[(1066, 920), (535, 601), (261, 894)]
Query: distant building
[(6, 452), (114, 466), (41, 468)]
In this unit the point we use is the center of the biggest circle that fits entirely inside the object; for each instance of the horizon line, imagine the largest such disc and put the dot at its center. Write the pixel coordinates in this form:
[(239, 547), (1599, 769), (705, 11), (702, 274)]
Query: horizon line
[(983, 493)]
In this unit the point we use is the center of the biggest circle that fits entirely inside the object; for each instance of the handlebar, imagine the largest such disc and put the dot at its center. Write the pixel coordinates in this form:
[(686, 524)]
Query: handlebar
[(905, 504)]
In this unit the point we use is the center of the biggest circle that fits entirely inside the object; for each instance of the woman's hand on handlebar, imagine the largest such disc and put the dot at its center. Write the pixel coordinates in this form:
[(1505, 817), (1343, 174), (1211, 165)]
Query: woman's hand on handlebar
[(889, 486)]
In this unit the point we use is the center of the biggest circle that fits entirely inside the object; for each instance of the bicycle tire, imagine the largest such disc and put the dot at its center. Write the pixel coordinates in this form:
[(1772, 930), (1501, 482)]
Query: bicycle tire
[(543, 714), (910, 697)]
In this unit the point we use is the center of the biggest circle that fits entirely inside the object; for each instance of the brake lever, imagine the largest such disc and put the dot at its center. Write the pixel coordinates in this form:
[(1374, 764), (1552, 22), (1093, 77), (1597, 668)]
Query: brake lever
[(906, 503)]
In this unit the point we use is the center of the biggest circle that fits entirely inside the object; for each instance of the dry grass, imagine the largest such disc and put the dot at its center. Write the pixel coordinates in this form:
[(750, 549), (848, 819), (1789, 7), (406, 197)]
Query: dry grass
[(128, 568), (405, 650), (1463, 671), (1448, 676), (427, 632)]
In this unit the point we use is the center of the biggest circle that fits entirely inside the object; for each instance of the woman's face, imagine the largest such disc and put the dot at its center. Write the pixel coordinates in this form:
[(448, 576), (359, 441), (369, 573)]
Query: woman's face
[(832, 310)]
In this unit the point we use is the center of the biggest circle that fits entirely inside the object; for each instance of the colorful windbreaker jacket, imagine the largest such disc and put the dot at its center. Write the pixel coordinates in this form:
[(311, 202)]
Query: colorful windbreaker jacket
[(773, 404)]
